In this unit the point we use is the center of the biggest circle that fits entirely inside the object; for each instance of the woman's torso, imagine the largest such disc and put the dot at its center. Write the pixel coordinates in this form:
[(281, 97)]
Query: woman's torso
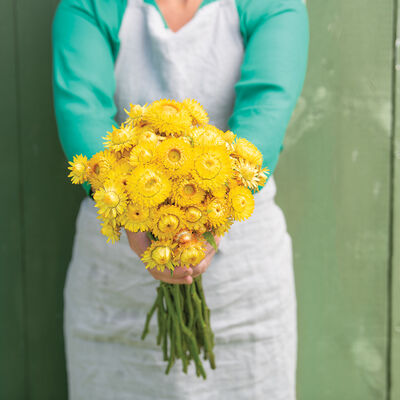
[(201, 60)]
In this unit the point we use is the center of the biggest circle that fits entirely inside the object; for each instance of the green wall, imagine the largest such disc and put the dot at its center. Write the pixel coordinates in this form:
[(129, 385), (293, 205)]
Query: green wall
[(338, 184)]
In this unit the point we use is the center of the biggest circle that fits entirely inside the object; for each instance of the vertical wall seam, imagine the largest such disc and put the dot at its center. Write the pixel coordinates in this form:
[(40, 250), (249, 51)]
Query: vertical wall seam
[(21, 202), (391, 208)]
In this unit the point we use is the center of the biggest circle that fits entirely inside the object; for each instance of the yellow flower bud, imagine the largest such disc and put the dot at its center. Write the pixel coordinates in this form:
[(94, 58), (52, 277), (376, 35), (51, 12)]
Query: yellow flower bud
[(161, 255)]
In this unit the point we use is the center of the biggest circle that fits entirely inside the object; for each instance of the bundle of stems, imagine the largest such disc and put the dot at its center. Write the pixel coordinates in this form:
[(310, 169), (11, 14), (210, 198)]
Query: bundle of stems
[(183, 325)]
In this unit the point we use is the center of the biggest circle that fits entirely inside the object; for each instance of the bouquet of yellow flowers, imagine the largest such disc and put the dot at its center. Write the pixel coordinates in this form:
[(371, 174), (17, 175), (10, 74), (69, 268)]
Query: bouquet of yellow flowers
[(168, 172)]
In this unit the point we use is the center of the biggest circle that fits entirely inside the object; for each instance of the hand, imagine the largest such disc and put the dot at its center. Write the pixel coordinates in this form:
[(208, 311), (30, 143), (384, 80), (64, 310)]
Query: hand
[(139, 242)]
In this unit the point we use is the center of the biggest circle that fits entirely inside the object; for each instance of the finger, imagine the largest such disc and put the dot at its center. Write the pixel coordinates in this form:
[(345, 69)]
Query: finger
[(202, 265), (170, 279), (210, 248), (178, 273)]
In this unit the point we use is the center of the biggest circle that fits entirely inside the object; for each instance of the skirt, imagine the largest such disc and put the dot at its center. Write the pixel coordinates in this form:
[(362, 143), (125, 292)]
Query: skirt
[(249, 288)]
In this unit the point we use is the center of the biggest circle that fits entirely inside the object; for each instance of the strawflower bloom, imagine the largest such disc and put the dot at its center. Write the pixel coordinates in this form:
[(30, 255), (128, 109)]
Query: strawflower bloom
[(159, 255), (78, 169)]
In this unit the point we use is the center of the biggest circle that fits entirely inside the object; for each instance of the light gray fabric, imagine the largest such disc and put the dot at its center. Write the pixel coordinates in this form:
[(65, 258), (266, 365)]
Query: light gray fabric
[(250, 284)]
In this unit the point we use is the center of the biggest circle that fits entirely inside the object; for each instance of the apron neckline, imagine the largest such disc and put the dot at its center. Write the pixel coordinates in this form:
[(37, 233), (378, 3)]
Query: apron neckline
[(155, 5)]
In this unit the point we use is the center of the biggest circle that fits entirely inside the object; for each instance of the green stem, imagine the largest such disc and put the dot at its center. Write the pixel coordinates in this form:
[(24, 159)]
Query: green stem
[(184, 324), (189, 306), (205, 330), (188, 332), (172, 347), (176, 294), (160, 316), (206, 310), (175, 321), (165, 317), (148, 317)]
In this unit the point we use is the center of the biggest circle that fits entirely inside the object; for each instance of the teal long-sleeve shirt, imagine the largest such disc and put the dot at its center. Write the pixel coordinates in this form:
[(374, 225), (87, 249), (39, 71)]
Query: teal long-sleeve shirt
[(85, 47)]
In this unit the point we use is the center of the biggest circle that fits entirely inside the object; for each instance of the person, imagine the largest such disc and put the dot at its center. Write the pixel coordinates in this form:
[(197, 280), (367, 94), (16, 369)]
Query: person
[(245, 62)]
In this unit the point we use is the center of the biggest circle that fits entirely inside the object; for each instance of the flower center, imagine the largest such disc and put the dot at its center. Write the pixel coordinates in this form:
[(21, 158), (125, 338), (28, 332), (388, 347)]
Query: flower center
[(80, 168), (174, 155), (210, 163), (161, 255), (207, 166), (216, 209), (169, 109), (190, 256), (148, 136), (111, 199), (168, 223), (193, 214), (121, 136), (137, 214), (151, 183), (189, 189), (96, 169), (239, 203), (247, 174)]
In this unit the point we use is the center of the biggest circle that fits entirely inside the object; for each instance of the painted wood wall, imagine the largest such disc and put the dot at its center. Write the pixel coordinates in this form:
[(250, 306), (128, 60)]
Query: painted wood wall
[(338, 183)]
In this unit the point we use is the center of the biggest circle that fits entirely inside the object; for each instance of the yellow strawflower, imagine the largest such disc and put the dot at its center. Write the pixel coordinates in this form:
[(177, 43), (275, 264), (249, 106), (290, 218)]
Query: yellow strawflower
[(111, 231), (111, 200), (206, 136), (186, 191), (145, 134), (229, 136), (135, 114), (99, 166), (195, 218), (242, 202), (217, 212), (78, 169), (175, 155), (212, 166), (263, 176), (137, 218), (196, 111), (143, 153), (190, 254), (168, 117), (148, 185), (193, 133), (159, 255), (248, 174), (247, 150), (120, 138), (224, 228), (168, 221), (108, 159), (119, 172)]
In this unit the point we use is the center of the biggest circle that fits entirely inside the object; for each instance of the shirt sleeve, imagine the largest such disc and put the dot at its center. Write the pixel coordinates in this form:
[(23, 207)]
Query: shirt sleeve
[(83, 75), (276, 36)]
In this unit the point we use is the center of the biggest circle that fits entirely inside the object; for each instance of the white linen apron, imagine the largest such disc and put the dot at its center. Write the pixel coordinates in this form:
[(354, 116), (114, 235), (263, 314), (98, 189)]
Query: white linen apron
[(249, 286)]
